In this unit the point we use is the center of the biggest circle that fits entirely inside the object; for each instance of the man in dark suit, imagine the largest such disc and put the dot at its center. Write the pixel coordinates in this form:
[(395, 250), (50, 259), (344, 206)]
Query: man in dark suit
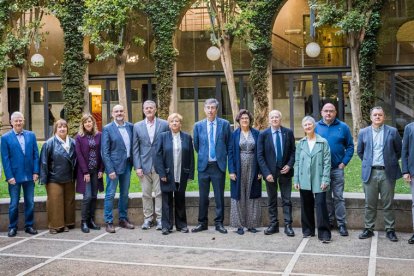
[(212, 143), (379, 147), (116, 151), (20, 158), (276, 157), (407, 158), (145, 135)]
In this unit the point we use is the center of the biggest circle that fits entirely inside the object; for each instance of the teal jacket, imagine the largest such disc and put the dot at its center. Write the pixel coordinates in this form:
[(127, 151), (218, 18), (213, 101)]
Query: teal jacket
[(312, 168)]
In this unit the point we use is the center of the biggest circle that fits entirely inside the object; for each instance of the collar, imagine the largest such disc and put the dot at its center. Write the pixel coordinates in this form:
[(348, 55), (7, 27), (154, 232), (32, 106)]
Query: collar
[(214, 121), (61, 140), (118, 125), (175, 135), (334, 122), (150, 123), (379, 129), (20, 133), (273, 130)]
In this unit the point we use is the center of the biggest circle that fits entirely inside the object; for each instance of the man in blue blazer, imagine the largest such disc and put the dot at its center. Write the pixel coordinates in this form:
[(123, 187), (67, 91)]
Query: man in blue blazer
[(379, 147), (212, 143), (276, 157), (20, 158), (116, 151), (407, 158)]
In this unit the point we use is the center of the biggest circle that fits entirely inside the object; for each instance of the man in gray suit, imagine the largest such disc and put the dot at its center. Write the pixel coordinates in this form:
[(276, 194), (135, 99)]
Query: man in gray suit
[(379, 147), (407, 158), (145, 135)]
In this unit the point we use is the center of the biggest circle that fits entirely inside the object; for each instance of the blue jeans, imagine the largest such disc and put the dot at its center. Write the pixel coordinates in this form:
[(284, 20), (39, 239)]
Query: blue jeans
[(335, 197), (124, 181), (28, 193)]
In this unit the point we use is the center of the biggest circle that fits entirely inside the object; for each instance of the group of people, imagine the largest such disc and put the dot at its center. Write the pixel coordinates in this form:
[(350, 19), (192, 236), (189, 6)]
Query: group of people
[(162, 156)]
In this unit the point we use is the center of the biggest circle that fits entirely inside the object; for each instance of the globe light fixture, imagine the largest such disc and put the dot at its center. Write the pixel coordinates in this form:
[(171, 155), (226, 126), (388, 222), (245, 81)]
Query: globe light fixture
[(213, 53), (313, 49), (37, 60)]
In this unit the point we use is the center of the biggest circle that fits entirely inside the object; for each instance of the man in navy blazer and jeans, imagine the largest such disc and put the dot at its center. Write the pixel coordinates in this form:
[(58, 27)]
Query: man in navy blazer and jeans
[(116, 151), (276, 157), (379, 147), (20, 158), (211, 141)]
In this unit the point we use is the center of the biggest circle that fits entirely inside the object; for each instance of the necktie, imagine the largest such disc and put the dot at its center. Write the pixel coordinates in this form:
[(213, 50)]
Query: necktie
[(279, 150), (212, 146)]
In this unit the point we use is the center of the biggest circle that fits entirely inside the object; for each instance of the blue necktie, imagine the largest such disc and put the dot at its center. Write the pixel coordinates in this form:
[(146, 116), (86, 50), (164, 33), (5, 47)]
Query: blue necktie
[(279, 150), (212, 146)]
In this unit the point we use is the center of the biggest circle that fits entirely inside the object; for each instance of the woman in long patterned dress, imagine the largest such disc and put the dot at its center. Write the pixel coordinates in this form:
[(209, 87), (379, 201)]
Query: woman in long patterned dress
[(246, 186)]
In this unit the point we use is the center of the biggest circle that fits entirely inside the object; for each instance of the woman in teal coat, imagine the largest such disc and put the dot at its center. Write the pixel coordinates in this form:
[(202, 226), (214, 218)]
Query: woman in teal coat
[(312, 178)]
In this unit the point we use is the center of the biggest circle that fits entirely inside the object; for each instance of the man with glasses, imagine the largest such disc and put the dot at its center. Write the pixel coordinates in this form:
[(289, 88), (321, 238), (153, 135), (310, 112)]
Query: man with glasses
[(340, 141)]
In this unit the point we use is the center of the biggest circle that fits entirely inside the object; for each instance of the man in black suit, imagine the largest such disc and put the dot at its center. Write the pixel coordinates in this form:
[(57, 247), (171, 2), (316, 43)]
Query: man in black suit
[(276, 157)]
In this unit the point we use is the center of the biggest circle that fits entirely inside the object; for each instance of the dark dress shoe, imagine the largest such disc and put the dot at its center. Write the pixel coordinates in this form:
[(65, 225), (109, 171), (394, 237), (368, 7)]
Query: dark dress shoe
[(92, 225), (125, 224), (84, 227), (110, 228), (411, 240), (343, 231), (220, 228), (72, 226), (252, 230), (367, 233), (289, 230), (240, 231), (12, 232), (199, 228), (325, 240), (165, 231), (391, 236), (183, 230), (30, 230), (308, 235), (272, 229)]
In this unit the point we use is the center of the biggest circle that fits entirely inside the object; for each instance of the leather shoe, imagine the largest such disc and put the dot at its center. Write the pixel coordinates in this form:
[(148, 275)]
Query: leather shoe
[(199, 228), (183, 230), (146, 225), (343, 231), (93, 226), (220, 228), (125, 224), (272, 229), (12, 232), (252, 230), (240, 231), (411, 240), (308, 235), (159, 225), (367, 233), (165, 231), (84, 227), (391, 236), (110, 228), (30, 230), (289, 231)]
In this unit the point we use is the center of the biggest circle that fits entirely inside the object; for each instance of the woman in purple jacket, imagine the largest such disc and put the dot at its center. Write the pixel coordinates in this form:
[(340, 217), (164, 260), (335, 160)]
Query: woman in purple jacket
[(90, 169)]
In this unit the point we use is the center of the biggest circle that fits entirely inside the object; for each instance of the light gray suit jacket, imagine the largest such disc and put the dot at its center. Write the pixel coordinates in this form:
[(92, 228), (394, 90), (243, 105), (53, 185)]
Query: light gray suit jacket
[(391, 152), (143, 149), (407, 155)]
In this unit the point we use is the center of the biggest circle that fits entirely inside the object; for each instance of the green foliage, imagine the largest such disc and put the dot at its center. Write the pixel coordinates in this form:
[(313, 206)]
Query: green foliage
[(70, 14), (164, 17)]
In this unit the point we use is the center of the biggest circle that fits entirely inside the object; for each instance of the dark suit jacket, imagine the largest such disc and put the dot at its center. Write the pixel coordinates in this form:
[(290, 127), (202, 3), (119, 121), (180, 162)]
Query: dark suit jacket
[(266, 152), (164, 161), (113, 150), (223, 135), (407, 155), (82, 156), (235, 167), (17, 165), (391, 152)]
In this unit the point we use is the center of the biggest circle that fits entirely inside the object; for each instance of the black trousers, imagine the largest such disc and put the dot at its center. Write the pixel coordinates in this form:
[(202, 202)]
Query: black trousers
[(308, 203), (214, 175), (89, 197), (178, 199), (285, 185)]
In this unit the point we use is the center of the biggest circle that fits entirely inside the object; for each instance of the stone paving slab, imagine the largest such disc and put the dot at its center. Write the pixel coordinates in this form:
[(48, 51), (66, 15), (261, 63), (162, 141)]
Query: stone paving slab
[(40, 248), (12, 265)]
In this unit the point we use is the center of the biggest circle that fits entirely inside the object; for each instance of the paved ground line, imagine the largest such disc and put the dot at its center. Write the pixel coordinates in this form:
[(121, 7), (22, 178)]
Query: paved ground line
[(22, 241), (25, 256), (295, 257), (395, 259), (372, 266), (60, 255)]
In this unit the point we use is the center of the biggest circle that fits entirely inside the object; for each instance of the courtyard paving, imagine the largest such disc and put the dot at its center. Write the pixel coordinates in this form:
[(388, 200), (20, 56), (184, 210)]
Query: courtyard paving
[(139, 252)]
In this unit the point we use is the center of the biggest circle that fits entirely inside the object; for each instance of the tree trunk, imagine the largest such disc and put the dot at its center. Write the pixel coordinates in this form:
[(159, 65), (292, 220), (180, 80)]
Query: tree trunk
[(23, 72), (225, 50), (355, 94), (4, 111), (120, 73)]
